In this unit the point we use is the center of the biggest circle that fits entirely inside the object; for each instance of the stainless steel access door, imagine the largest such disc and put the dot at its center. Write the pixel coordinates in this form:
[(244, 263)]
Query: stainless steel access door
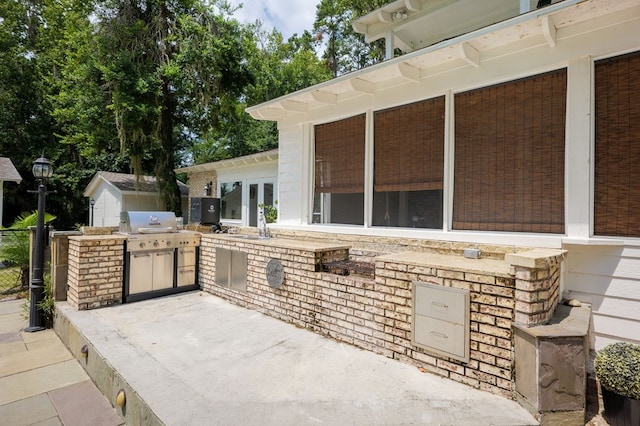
[(150, 270), (140, 272), (186, 266)]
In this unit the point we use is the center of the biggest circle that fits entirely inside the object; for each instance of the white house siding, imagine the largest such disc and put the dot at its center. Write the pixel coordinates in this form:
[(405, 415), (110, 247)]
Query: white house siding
[(606, 275), (106, 211), (140, 202), (609, 278), (291, 177)]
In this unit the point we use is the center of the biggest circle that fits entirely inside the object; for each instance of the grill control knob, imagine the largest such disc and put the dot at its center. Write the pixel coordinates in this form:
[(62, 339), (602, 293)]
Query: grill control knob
[(142, 245), (155, 243)]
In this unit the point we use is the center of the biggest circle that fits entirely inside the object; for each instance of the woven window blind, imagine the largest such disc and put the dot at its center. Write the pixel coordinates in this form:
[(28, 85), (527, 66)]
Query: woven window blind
[(617, 151), (509, 156), (409, 147), (339, 157)]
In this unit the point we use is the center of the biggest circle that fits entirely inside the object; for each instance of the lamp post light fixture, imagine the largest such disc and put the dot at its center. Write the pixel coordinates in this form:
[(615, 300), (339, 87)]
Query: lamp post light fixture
[(42, 171), (207, 189), (93, 203)]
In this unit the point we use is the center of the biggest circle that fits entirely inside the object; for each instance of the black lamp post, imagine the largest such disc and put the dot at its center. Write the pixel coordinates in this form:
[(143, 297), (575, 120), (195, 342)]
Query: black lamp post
[(42, 170), (93, 203)]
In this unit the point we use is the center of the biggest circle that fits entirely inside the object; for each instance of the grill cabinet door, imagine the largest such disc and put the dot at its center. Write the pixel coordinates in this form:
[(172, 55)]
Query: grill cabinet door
[(140, 272), (163, 270)]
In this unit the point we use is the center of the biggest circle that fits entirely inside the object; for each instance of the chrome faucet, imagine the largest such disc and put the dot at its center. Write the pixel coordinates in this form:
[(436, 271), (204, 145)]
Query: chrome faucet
[(264, 230)]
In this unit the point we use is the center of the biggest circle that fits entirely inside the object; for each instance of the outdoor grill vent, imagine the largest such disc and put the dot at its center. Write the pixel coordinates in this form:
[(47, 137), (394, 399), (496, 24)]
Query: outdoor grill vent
[(441, 320)]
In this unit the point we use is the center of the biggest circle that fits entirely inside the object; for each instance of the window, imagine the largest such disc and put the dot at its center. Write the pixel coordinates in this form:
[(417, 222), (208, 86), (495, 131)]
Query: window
[(231, 200), (261, 196), (409, 165), (617, 146), (339, 171), (509, 156)]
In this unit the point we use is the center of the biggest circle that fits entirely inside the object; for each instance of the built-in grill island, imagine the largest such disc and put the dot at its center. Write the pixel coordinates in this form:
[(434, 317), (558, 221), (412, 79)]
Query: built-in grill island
[(159, 259)]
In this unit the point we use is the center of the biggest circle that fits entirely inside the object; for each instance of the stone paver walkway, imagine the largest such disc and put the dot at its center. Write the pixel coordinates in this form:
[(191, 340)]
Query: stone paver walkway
[(40, 381)]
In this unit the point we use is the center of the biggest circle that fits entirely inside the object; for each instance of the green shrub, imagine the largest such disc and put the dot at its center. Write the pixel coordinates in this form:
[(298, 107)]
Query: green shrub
[(270, 211), (617, 367), (15, 245)]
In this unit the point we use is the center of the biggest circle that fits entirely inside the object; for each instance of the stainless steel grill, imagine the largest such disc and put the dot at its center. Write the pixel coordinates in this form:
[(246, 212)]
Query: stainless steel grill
[(159, 259)]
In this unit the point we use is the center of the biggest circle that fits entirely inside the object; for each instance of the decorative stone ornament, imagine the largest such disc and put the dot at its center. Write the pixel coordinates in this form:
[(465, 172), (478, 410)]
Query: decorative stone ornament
[(275, 273)]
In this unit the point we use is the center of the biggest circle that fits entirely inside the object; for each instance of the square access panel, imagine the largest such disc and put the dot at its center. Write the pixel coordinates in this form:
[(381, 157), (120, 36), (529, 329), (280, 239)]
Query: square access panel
[(441, 320)]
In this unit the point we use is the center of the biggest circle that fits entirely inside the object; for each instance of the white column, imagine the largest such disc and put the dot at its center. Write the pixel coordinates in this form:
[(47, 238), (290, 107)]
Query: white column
[(578, 148), (389, 45)]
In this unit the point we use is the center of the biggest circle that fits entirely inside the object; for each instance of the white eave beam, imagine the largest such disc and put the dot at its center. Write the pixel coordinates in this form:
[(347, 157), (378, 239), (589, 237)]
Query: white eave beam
[(402, 44), (409, 73), (412, 5), (549, 30), (385, 17), (324, 97), (272, 113), (294, 106), (469, 54), (362, 86)]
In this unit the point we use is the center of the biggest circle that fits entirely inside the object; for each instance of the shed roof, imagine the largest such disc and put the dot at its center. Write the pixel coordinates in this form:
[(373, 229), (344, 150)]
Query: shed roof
[(8, 171), (128, 183)]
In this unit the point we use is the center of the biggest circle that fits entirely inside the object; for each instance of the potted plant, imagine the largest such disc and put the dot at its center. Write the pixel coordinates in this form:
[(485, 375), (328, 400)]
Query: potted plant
[(617, 368)]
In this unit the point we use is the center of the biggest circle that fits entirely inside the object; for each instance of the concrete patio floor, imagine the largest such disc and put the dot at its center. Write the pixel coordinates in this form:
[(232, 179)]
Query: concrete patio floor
[(195, 359)]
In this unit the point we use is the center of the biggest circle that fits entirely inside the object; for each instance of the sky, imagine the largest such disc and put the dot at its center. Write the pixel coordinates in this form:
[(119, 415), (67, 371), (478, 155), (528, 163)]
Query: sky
[(287, 16)]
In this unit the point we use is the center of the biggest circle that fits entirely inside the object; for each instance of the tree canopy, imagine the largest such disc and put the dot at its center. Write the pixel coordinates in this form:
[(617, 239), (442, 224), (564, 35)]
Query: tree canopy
[(145, 86)]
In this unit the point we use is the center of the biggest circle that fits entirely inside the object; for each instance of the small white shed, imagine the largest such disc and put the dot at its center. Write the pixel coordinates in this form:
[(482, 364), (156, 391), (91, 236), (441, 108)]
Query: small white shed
[(111, 193), (8, 173)]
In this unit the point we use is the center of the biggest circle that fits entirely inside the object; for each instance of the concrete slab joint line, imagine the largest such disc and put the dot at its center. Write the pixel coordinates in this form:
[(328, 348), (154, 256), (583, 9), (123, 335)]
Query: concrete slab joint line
[(41, 382), (194, 359)]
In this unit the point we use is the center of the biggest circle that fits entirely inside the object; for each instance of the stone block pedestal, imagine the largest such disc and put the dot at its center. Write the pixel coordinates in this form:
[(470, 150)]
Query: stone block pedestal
[(551, 366)]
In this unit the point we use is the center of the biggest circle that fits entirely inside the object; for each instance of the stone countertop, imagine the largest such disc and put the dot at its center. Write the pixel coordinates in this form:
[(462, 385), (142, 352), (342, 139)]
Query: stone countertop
[(567, 321), (453, 262), (308, 245), (98, 237)]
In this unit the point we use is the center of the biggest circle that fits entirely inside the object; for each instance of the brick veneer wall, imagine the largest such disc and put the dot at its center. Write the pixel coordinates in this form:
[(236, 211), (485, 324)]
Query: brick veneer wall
[(376, 314), (96, 267), (537, 285)]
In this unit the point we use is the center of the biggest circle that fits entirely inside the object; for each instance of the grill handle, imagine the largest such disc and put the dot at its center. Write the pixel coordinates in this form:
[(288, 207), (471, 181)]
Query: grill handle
[(155, 230)]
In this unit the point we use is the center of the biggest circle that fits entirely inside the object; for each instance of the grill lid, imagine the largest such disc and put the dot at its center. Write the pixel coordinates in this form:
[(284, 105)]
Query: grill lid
[(147, 222)]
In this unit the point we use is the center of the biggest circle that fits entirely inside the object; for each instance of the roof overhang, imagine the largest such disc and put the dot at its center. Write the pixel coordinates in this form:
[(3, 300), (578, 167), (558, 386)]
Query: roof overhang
[(8, 172), (247, 160), (527, 30)]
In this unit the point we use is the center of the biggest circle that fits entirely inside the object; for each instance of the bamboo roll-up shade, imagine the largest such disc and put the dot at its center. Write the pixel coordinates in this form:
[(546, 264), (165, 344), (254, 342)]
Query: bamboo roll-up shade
[(339, 156), (617, 150), (509, 156), (409, 147)]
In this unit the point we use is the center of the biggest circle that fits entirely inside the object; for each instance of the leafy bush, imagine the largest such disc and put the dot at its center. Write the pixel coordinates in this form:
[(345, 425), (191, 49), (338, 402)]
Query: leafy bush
[(15, 245), (270, 211), (617, 367)]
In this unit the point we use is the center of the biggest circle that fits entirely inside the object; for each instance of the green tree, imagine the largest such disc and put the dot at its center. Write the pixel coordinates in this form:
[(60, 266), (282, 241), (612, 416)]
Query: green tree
[(169, 67), (346, 50), (26, 128), (277, 68)]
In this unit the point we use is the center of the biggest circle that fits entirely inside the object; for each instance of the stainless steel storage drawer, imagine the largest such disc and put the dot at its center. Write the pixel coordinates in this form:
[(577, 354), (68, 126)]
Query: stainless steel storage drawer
[(441, 320)]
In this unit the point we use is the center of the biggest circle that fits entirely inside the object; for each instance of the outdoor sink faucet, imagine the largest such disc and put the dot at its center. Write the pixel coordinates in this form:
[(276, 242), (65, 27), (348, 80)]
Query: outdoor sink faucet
[(264, 230)]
